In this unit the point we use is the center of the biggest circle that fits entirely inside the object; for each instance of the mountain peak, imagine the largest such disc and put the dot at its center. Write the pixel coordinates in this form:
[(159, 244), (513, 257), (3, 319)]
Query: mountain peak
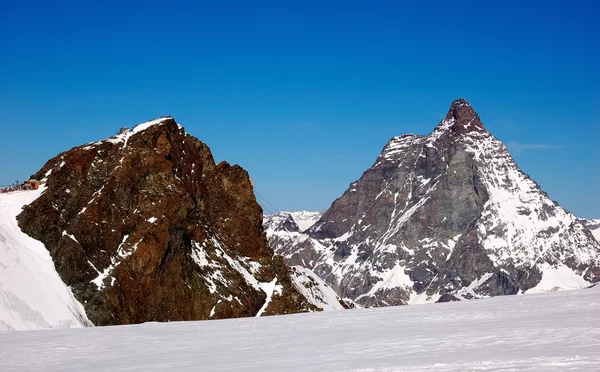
[(141, 220), (446, 214), (462, 118)]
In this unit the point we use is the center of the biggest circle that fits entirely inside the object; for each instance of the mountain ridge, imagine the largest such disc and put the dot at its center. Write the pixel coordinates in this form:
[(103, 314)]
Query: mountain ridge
[(447, 213), (145, 226)]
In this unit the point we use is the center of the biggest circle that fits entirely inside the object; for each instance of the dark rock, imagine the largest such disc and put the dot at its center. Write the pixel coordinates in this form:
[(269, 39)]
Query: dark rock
[(145, 226), (447, 298)]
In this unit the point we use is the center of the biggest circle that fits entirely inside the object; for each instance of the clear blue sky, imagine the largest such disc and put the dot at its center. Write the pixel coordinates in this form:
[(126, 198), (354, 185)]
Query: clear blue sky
[(305, 94)]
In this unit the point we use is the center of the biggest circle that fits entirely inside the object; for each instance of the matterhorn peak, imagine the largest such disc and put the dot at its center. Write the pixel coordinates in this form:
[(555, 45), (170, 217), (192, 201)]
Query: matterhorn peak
[(448, 214), (461, 119)]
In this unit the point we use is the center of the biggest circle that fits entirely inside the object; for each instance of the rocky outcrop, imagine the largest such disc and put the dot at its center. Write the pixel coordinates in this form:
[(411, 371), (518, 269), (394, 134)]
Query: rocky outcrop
[(447, 298), (144, 226), (593, 226), (447, 213)]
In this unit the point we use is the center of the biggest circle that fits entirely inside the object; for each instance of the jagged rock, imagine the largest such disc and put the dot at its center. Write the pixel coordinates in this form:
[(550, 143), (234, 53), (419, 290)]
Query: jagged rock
[(447, 298), (593, 226), (144, 226), (448, 213)]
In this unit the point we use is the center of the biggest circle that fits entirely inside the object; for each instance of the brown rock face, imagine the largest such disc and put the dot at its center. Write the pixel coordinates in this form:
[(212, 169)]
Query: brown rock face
[(464, 118), (145, 226)]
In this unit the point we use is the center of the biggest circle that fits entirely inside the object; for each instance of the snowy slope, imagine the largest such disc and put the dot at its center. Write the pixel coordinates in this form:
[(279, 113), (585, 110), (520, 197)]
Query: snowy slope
[(305, 280), (305, 219), (316, 291), (547, 332), (301, 220), (594, 227), (32, 295)]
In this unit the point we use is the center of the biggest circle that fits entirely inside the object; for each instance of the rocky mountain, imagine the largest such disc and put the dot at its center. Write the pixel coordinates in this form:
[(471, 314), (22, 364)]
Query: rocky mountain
[(145, 226), (448, 214), (594, 227), (291, 221), (305, 219)]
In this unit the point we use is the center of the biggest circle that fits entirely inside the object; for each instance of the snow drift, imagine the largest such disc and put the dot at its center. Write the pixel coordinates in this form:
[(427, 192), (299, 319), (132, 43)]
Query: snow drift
[(32, 295)]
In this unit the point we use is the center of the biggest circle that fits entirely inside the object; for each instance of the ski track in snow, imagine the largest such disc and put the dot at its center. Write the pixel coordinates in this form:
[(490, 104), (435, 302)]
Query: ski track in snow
[(543, 332)]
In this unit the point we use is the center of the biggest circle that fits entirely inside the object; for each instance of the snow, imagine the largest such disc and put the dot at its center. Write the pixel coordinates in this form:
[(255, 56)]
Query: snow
[(558, 278), (547, 332), (199, 255), (596, 234), (124, 137), (397, 145), (64, 233), (519, 223), (594, 227), (32, 295), (320, 295), (238, 266), (143, 126), (305, 219), (245, 267), (122, 254), (469, 291), (423, 298), (270, 289), (390, 279)]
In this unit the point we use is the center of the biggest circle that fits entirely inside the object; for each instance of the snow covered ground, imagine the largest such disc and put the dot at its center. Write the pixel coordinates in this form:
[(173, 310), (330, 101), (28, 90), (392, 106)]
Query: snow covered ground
[(32, 295), (555, 331)]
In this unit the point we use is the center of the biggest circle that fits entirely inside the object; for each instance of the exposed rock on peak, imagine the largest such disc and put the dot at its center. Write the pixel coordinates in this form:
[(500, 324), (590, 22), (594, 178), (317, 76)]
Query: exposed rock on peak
[(448, 213), (144, 226), (461, 119)]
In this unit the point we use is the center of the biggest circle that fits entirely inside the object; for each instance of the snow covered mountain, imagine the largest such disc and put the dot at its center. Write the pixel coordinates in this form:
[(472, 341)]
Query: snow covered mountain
[(291, 221), (305, 219), (143, 226), (550, 332), (32, 295), (315, 290), (594, 227), (449, 213)]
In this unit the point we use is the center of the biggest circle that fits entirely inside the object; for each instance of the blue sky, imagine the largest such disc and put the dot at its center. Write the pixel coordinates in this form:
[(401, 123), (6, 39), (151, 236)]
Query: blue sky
[(305, 94)]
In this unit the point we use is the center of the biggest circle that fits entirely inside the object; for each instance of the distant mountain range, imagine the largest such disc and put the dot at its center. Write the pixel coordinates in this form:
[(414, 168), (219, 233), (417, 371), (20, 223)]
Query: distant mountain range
[(145, 226), (440, 217)]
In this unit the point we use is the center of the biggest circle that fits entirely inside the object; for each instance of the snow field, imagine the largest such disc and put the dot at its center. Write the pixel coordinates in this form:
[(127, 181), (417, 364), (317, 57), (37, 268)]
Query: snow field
[(542, 332), (32, 295)]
